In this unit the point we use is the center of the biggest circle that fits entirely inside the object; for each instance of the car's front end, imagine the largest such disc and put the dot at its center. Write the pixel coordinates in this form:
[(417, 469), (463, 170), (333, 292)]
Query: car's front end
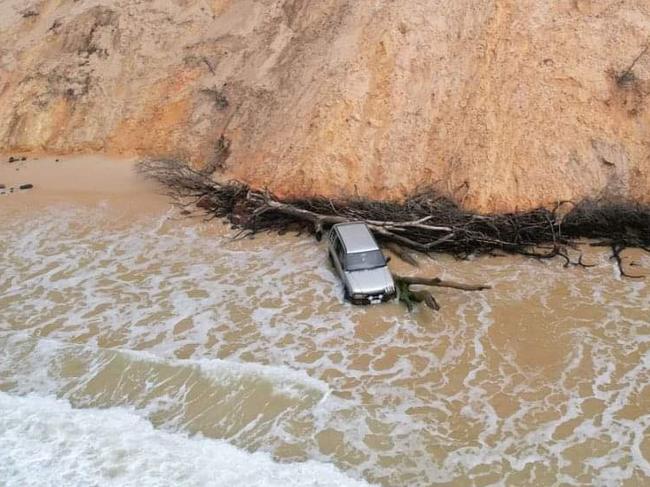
[(383, 297), (370, 286)]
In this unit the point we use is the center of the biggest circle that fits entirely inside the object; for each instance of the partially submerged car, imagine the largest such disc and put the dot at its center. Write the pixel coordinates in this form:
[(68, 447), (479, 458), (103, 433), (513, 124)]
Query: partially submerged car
[(360, 263)]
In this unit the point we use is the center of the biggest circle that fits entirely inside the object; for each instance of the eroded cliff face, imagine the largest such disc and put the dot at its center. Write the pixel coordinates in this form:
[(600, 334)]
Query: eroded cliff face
[(501, 104)]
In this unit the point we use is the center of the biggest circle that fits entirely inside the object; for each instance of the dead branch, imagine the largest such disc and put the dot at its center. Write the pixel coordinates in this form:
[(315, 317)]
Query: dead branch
[(628, 75), (425, 222), (437, 282), (409, 297), (616, 255)]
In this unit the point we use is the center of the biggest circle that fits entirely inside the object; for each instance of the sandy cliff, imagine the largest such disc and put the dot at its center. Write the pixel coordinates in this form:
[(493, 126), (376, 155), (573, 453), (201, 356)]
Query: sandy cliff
[(501, 104)]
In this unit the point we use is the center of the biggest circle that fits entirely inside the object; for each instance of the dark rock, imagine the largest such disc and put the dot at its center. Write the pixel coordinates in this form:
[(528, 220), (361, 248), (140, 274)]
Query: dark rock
[(26, 186), (12, 159), (2, 186), (23, 159)]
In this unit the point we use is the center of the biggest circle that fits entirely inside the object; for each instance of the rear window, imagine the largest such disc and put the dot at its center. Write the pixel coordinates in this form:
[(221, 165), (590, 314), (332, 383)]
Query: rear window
[(359, 261)]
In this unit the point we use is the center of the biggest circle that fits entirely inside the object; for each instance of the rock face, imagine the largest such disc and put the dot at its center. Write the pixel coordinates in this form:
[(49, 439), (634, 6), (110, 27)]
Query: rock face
[(500, 104)]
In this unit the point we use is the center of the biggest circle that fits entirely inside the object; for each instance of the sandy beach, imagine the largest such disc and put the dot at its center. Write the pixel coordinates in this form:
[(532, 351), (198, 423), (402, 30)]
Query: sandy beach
[(84, 180)]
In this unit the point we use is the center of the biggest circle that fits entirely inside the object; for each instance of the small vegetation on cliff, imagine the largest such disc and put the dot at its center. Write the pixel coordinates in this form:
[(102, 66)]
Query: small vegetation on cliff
[(425, 222), (627, 77)]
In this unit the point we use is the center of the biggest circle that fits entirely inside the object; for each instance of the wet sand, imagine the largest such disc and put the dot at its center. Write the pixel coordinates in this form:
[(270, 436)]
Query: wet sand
[(109, 298), (79, 180)]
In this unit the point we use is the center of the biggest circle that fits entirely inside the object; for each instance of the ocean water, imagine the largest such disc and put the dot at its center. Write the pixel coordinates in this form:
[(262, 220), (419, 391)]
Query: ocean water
[(47, 442), (157, 350)]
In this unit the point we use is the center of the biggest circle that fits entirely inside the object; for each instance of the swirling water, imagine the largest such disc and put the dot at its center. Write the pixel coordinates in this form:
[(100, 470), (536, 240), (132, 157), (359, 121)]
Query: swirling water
[(167, 343)]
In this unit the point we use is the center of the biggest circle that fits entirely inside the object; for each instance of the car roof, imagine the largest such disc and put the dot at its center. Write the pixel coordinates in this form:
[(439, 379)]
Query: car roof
[(356, 237)]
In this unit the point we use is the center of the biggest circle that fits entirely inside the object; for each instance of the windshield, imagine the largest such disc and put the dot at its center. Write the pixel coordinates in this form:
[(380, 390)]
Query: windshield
[(360, 261)]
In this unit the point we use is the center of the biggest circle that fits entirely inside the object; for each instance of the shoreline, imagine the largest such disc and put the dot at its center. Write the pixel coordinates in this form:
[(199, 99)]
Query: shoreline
[(426, 222), (94, 180)]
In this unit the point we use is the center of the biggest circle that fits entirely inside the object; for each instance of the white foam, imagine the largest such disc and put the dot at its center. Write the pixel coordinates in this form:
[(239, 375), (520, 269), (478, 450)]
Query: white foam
[(285, 379), (281, 306), (45, 442)]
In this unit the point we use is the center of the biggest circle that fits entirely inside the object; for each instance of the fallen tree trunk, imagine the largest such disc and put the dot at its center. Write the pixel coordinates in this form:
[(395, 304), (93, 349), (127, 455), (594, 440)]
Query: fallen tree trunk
[(409, 296), (425, 222), (437, 282)]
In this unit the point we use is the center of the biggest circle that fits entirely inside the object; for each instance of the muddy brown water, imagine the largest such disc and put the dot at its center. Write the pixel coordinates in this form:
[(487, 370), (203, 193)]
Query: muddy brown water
[(109, 299)]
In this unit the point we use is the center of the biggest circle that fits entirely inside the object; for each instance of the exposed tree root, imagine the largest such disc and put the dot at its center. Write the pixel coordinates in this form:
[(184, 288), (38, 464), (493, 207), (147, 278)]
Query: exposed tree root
[(425, 222)]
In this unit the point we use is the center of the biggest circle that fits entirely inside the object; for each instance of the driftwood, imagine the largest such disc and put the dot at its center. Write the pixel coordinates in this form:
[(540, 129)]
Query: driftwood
[(437, 282), (409, 296), (426, 222)]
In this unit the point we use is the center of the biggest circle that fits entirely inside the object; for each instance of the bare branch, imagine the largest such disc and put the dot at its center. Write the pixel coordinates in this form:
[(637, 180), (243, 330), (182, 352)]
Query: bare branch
[(437, 282), (425, 222)]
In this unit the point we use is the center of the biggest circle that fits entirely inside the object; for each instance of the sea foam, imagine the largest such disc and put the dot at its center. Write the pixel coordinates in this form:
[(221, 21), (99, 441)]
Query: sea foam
[(45, 442), (539, 381)]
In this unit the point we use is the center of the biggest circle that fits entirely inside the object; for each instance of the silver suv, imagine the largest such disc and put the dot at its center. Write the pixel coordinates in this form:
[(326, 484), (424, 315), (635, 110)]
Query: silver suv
[(360, 264)]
